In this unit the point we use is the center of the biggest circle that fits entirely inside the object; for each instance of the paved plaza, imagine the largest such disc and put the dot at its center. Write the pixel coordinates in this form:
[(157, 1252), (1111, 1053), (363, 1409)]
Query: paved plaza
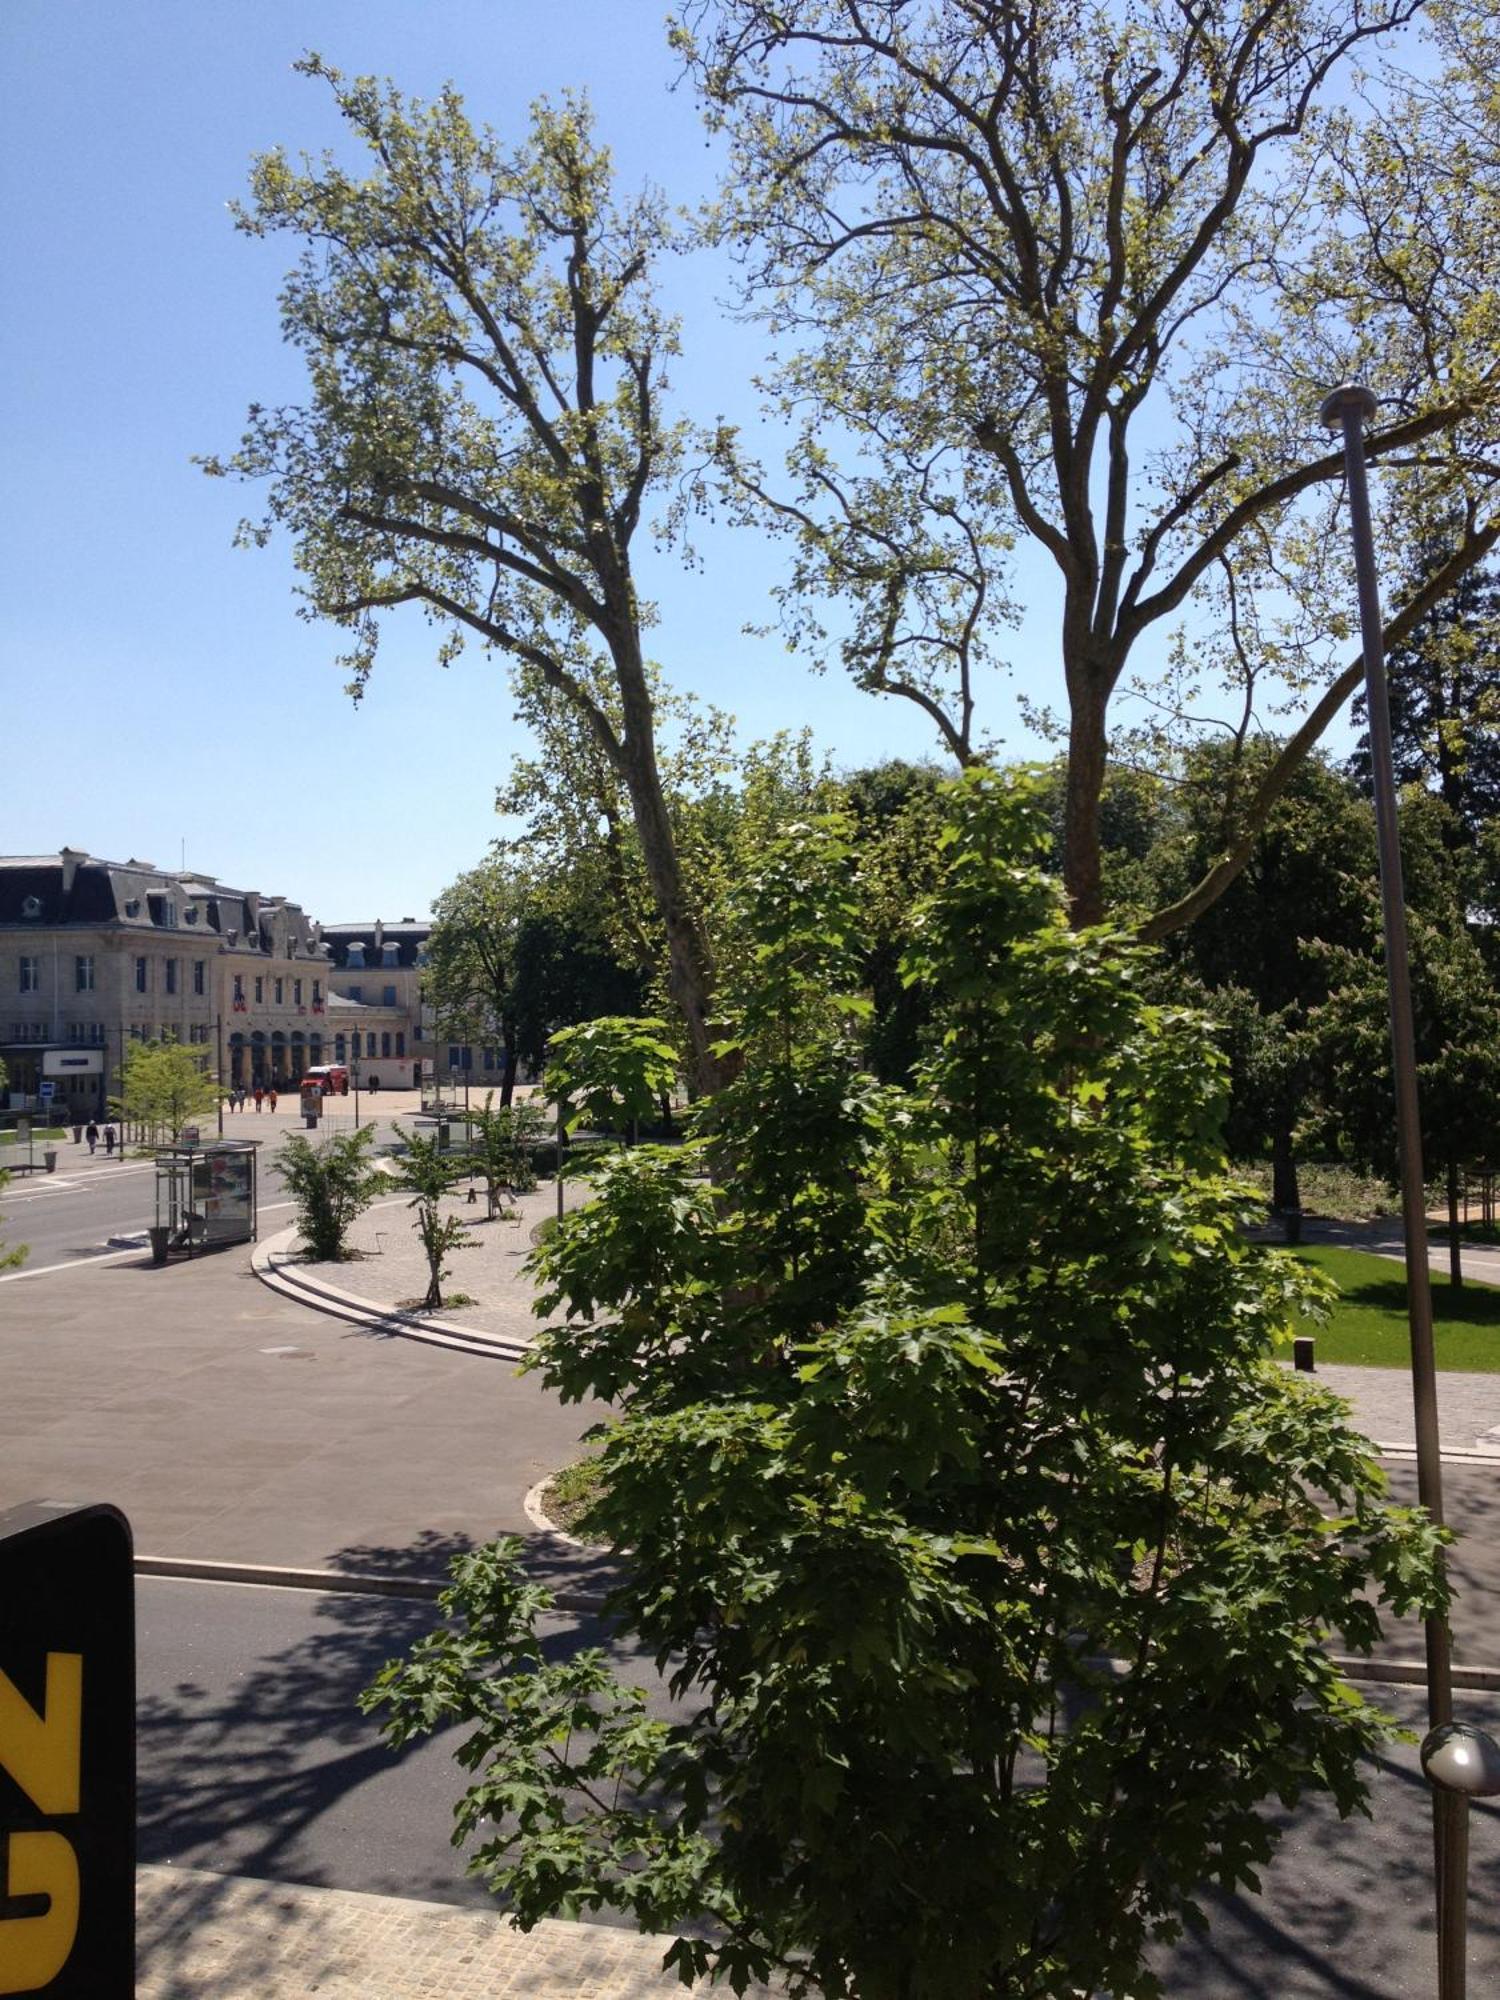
[(305, 1419)]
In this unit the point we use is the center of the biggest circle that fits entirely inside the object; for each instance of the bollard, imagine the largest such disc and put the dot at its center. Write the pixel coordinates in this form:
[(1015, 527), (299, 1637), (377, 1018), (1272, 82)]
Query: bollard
[(1302, 1354)]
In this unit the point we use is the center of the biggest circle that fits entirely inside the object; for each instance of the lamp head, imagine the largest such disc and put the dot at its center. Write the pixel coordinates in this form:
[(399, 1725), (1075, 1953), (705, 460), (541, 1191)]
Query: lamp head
[(1459, 1758), (1348, 396)]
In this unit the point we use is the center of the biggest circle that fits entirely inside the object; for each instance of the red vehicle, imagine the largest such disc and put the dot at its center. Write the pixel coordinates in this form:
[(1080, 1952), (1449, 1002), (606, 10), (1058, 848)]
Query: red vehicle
[(331, 1078)]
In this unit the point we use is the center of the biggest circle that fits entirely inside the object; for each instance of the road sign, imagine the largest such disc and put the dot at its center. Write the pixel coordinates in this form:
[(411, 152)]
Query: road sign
[(67, 1753), (46, 1088)]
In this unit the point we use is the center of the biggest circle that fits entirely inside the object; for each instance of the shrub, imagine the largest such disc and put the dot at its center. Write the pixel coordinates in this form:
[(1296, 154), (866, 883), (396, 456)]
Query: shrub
[(331, 1183)]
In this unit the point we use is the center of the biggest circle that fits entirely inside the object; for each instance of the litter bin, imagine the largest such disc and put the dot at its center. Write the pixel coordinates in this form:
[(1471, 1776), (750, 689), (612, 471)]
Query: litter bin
[(77, 1135), (158, 1235), (49, 1159)]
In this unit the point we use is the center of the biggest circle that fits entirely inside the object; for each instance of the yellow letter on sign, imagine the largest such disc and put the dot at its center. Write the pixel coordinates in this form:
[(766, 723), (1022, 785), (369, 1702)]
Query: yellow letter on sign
[(43, 1753), (33, 1950)]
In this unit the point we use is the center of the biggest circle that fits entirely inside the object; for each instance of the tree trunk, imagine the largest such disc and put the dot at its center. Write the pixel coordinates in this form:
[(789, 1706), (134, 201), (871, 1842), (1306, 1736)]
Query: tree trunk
[(689, 975), (1455, 1241), (1286, 1195), (1085, 785), (508, 1068)]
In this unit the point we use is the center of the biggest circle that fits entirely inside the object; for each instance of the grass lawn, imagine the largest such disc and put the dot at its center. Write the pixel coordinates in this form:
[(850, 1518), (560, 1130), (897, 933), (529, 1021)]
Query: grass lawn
[(1369, 1320)]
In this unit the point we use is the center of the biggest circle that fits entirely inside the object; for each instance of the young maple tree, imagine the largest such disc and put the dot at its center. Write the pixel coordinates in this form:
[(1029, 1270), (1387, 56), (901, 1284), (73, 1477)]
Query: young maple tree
[(992, 1558)]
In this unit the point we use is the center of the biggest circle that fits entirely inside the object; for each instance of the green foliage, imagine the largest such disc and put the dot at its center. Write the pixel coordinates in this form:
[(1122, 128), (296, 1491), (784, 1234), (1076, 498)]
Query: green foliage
[(611, 1072), (1456, 1018), (485, 420), (990, 1553), (164, 1086), (11, 1254), (427, 1172), (501, 1143), (331, 1183), (1044, 281)]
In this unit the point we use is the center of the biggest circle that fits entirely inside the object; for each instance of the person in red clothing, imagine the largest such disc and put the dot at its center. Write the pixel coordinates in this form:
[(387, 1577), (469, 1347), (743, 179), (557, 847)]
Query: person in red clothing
[(259, 1094)]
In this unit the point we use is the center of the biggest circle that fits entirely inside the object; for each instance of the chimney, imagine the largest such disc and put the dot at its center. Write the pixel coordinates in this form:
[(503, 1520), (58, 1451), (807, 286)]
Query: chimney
[(379, 934), (70, 857)]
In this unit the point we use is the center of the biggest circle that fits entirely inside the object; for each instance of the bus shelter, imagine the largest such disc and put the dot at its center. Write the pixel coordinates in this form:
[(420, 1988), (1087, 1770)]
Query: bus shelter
[(205, 1196)]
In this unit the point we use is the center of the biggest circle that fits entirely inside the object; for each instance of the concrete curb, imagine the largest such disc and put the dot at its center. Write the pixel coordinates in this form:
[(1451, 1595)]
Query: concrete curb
[(335, 1583), (274, 1263)]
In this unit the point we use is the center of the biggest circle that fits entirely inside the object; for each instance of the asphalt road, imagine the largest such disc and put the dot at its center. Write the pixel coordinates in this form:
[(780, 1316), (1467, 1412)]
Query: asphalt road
[(68, 1217), (254, 1760)]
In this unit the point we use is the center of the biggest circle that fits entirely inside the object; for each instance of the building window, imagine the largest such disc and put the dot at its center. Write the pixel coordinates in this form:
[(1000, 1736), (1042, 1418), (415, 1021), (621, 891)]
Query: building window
[(388, 996), (385, 1044), (339, 1053), (356, 993), (171, 975), (140, 975), (83, 974), (489, 1059), (31, 975), (370, 1044), (276, 986), (74, 1031), (296, 992), (260, 991), (239, 989), (455, 1054), (400, 1043)]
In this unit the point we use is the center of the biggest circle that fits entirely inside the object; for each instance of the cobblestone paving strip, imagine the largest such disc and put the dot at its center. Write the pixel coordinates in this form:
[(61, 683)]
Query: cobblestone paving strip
[(240, 1939)]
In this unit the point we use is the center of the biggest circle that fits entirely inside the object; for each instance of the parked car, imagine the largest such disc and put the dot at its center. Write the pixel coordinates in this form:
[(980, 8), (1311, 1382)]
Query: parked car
[(331, 1078)]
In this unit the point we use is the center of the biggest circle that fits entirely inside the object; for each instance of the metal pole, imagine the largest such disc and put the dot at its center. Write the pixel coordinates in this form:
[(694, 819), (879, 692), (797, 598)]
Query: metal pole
[(219, 1045), (1346, 409)]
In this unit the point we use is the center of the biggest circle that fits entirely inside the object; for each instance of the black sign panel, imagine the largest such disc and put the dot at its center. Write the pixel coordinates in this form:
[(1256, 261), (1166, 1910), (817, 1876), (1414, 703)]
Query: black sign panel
[(67, 1753)]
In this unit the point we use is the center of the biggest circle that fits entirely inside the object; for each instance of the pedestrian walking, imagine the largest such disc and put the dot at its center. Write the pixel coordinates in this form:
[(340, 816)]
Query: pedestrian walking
[(259, 1094), (92, 1135), (109, 1139), (273, 1096)]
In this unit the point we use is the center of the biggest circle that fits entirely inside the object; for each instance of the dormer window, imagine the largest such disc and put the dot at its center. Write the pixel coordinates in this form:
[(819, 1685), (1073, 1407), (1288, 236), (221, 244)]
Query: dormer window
[(391, 955), (356, 958), (133, 906), (31, 907), (190, 914)]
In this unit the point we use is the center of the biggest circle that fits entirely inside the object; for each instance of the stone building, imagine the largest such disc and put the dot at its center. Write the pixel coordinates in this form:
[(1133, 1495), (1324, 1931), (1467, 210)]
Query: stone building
[(95, 954), (384, 963)]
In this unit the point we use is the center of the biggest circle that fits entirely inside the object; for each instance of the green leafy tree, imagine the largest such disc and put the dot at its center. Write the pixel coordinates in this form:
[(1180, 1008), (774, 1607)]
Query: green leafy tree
[(991, 1555), (502, 1144), (485, 425), (1054, 278), (331, 1183), (473, 958), (1456, 1017), (427, 1171), (611, 1073), (10, 1255), (1445, 702), (164, 1086)]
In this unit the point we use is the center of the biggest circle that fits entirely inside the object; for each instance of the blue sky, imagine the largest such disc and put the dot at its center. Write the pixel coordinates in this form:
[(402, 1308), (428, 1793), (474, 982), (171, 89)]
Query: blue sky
[(160, 688), (161, 694)]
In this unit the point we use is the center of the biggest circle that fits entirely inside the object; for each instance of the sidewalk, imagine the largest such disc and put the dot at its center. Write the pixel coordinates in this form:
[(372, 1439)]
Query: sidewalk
[(385, 1281), (240, 1939)]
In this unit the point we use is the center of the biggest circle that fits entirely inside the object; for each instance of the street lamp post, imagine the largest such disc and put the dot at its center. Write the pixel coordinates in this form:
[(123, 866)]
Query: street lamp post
[(354, 1073), (1453, 1758)]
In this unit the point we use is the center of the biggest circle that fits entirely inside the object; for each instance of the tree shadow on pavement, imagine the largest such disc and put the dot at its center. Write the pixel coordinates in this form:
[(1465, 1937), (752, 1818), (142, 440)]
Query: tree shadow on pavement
[(257, 1762), (1346, 1910)]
